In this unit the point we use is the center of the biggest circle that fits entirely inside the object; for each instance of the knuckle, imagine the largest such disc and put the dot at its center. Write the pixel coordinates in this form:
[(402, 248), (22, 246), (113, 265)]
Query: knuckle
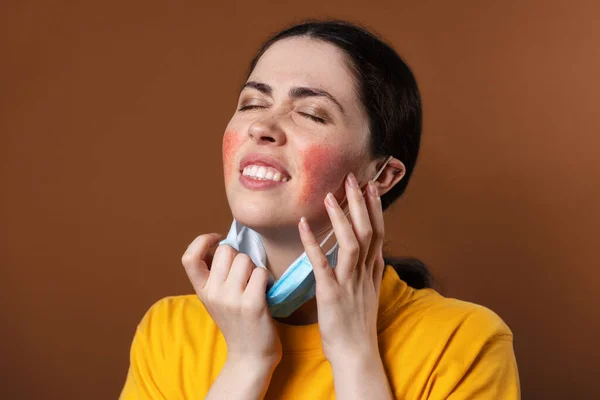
[(201, 242), (366, 234), (353, 248), (323, 262), (378, 233), (187, 259), (202, 239)]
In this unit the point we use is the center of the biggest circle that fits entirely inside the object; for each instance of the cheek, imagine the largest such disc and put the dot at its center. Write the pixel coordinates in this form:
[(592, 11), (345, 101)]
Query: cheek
[(323, 170), (231, 144)]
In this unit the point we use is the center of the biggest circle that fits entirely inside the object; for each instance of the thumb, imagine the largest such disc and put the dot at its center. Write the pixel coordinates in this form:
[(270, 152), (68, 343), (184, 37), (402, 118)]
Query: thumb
[(198, 257)]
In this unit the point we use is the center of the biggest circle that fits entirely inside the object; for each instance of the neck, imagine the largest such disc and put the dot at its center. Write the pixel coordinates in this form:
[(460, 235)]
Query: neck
[(282, 248)]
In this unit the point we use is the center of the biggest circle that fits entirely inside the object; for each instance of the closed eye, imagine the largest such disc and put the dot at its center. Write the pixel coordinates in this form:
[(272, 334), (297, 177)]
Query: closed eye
[(250, 107), (313, 117)]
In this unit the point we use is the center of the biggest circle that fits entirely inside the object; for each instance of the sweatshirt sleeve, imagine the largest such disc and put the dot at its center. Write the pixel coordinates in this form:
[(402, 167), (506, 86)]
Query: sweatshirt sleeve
[(147, 358)]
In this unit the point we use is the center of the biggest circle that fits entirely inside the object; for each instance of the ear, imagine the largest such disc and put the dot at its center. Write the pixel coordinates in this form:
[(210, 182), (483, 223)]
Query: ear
[(392, 174)]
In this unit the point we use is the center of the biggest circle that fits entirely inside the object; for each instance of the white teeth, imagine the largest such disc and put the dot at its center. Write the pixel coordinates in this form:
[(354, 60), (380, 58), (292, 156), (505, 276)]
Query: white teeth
[(261, 172)]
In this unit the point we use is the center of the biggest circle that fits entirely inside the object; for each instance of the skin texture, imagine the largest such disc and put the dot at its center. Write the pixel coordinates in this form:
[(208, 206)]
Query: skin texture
[(317, 164), (231, 144), (317, 156)]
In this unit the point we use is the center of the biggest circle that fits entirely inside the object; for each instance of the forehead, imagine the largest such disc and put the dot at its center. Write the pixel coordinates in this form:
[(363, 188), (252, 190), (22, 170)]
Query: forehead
[(302, 61)]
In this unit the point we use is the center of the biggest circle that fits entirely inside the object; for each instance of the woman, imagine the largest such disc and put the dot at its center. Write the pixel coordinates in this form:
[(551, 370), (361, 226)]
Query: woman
[(325, 137)]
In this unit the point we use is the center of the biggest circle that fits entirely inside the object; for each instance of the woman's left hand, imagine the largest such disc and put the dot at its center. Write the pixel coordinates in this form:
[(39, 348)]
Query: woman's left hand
[(348, 296)]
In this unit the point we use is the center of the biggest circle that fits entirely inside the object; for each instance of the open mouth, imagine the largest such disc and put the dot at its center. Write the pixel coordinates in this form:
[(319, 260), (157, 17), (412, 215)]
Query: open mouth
[(264, 173)]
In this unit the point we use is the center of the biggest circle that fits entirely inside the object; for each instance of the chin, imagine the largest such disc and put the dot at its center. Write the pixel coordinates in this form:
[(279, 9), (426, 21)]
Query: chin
[(255, 221), (282, 223), (257, 216)]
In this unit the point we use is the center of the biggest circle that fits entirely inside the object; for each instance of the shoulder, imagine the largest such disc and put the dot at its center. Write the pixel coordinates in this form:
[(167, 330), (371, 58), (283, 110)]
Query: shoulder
[(173, 324), (468, 319), (473, 348), (174, 338), (446, 328), (169, 315), (431, 321), (463, 347)]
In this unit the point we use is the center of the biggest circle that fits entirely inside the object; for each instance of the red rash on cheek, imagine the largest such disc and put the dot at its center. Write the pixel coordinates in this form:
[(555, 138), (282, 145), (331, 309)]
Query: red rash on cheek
[(231, 144), (323, 169)]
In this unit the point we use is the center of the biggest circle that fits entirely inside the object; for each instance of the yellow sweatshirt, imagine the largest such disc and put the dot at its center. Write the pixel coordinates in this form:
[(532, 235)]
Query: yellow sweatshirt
[(432, 348)]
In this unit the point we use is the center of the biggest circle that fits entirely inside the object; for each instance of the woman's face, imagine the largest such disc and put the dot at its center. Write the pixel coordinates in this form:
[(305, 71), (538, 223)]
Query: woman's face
[(298, 130)]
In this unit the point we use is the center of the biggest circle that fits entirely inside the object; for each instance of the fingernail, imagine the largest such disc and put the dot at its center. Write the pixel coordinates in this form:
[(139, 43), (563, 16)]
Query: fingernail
[(304, 225), (331, 199), (373, 189), (351, 181)]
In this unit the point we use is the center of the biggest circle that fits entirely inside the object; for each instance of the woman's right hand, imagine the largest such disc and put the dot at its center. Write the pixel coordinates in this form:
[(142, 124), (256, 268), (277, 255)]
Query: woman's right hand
[(233, 290)]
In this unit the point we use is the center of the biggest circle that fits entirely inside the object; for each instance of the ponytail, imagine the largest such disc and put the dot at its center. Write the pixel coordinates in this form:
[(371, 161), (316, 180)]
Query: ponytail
[(412, 271)]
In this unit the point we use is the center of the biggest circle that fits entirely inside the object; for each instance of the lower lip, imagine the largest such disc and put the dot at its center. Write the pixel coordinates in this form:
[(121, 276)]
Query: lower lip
[(255, 184)]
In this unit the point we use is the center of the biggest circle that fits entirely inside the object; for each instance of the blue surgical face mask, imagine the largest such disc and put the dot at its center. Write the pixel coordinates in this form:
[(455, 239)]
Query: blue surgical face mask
[(297, 284)]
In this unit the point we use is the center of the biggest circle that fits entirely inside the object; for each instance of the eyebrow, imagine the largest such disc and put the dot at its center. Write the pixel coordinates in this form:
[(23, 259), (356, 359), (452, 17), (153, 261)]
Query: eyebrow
[(295, 92)]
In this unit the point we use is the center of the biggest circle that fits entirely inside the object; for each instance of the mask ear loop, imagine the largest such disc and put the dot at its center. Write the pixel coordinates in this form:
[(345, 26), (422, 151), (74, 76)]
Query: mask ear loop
[(344, 200), (386, 162)]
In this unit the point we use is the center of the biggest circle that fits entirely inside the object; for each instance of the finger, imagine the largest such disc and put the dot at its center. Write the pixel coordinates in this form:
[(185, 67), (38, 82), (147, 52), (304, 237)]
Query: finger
[(375, 210), (359, 215), (324, 274), (240, 272), (257, 285), (195, 259), (221, 265), (349, 247), (378, 271)]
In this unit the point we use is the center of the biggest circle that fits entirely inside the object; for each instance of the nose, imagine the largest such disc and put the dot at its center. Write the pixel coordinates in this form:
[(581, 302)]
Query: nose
[(267, 131)]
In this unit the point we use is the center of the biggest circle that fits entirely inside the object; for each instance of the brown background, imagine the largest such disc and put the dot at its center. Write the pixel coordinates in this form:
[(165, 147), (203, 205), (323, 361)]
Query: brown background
[(111, 122)]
